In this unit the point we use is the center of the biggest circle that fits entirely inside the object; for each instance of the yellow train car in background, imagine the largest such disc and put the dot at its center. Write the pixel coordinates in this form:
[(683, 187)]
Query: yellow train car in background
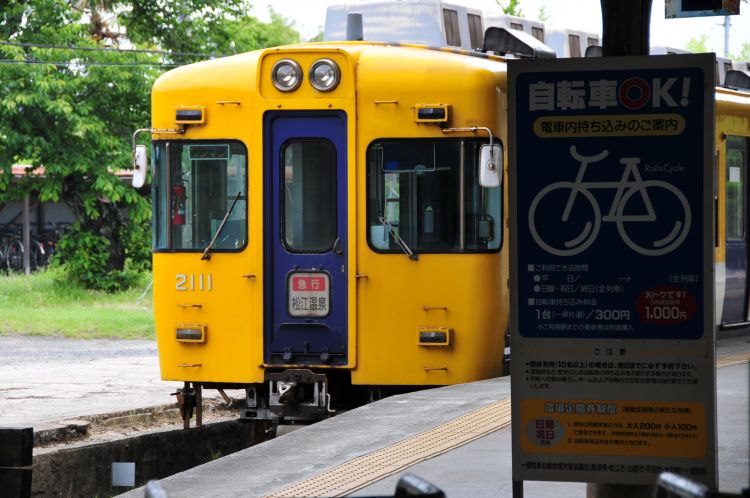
[(732, 197), (330, 224)]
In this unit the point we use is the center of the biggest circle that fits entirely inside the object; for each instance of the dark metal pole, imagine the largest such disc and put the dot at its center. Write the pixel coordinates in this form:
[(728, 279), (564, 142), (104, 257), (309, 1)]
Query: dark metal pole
[(625, 27), (26, 234), (625, 31)]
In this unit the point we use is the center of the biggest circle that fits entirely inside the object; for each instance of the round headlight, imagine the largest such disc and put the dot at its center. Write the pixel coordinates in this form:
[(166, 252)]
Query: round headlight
[(324, 75), (286, 75)]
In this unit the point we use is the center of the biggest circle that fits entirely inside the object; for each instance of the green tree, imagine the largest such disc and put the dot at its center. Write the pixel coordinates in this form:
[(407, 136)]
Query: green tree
[(72, 111), (513, 8), (698, 45), (203, 25), (543, 15), (744, 54)]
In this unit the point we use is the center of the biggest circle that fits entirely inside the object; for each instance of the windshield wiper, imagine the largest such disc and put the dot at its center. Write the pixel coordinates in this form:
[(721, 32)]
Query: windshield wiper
[(399, 241), (207, 251)]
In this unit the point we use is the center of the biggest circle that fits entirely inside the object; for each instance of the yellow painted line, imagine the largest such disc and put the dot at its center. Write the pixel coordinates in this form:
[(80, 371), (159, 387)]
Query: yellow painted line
[(366, 469), (733, 359)]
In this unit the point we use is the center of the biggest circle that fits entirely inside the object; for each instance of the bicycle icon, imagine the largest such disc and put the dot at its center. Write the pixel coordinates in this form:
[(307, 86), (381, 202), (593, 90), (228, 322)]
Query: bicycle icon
[(573, 236)]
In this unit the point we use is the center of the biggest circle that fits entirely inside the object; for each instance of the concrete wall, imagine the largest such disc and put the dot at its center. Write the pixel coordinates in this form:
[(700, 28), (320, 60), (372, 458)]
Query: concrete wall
[(87, 470)]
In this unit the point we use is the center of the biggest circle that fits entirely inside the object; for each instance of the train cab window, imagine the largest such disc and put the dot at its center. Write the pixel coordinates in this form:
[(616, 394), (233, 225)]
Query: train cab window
[(737, 163), (195, 185), (309, 217), (425, 194), (452, 33), (538, 33)]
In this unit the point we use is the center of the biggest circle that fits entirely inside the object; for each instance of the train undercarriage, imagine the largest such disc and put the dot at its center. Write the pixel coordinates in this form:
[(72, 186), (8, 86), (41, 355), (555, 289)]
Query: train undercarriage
[(288, 396)]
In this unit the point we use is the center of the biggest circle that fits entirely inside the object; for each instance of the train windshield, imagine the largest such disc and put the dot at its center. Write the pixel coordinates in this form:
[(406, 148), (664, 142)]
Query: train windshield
[(427, 194), (194, 186)]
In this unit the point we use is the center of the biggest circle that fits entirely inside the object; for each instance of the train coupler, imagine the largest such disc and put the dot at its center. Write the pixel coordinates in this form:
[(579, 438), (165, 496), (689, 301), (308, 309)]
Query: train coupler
[(298, 395)]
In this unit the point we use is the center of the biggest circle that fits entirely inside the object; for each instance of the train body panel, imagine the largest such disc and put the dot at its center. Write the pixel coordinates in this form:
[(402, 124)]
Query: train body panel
[(462, 293), (731, 252), (191, 295), (234, 101), (211, 295)]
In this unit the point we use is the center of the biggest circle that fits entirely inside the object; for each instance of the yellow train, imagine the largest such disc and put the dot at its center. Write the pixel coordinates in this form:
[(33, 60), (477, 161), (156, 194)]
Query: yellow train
[(731, 183), (330, 223), (320, 231)]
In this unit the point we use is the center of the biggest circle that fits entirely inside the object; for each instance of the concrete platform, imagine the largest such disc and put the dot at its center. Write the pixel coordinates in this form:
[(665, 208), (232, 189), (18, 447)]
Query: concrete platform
[(479, 468)]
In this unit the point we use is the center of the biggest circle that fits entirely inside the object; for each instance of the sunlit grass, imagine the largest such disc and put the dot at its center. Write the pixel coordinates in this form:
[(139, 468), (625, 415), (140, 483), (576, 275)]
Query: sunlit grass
[(45, 304)]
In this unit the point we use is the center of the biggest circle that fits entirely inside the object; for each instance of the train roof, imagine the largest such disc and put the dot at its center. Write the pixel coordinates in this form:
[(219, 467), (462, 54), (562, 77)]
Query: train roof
[(238, 74), (237, 70), (733, 100)]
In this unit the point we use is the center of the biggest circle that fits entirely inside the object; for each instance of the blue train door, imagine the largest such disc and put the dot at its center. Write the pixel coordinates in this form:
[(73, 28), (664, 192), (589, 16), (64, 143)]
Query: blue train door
[(736, 288), (305, 239)]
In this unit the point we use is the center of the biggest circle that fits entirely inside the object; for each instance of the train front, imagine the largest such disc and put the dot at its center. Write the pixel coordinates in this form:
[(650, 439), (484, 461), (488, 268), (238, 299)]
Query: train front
[(285, 212)]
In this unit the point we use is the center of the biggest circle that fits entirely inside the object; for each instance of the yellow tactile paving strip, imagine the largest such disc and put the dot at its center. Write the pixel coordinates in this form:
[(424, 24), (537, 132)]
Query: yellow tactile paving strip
[(733, 359), (362, 471)]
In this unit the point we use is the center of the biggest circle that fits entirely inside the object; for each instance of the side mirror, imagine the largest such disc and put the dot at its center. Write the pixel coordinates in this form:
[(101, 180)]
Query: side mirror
[(139, 166), (491, 166)]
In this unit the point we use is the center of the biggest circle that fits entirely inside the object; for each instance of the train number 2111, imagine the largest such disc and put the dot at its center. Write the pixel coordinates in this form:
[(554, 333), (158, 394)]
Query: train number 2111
[(186, 282)]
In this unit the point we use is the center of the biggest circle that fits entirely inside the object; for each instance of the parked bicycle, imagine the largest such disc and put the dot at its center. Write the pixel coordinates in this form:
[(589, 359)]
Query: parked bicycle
[(41, 247)]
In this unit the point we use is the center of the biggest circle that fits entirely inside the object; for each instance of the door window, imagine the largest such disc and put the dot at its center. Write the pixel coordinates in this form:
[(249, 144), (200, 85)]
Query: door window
[(736, 202), (309, 191)]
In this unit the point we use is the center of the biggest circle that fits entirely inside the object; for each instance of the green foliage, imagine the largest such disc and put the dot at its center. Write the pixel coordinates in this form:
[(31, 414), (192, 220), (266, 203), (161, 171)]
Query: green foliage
[(87, 263), (698, 44), (248, 33), (72, 111), (203, 26), (543, 15), (137, 245), (513, 8), (744, 54)]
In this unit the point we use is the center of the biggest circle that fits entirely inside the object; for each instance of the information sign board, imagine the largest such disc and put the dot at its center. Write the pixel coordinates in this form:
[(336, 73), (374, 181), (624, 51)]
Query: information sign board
[(700, 8), (308, 294), (613, 376)]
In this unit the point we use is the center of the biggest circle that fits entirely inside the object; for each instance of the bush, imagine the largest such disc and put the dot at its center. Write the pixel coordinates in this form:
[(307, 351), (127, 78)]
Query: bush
[(86, 258)]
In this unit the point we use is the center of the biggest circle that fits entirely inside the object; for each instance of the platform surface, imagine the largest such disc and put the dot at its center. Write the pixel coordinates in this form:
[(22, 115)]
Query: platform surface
[(377, 443)]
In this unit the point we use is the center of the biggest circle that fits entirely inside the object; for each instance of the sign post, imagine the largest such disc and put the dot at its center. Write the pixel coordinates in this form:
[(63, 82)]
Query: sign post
[(613, 371)]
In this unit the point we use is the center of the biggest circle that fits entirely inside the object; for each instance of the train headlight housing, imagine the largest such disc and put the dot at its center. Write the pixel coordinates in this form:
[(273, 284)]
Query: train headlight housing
[(440, 336), (324, 75), (190, 333), (286, 75)]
